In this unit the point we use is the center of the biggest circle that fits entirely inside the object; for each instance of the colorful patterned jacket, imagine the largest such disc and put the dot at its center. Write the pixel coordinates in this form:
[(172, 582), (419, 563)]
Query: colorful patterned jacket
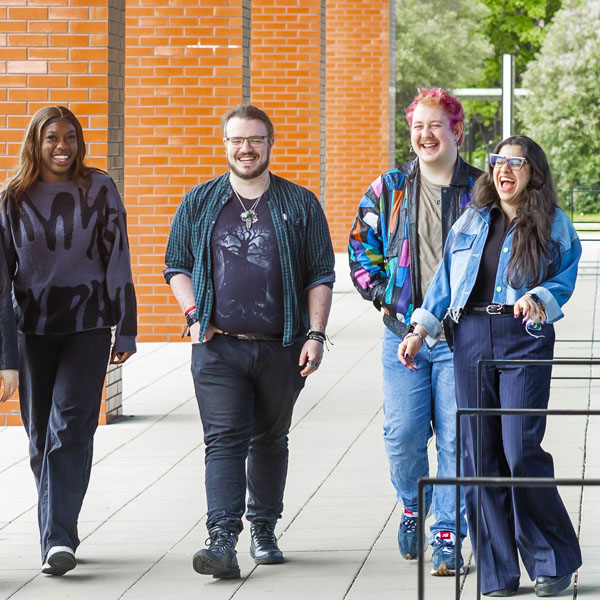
[(384, 242)]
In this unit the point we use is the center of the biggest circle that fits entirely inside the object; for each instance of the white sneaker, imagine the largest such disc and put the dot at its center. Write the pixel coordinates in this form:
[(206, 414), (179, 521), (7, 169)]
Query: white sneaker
[(59, 560)]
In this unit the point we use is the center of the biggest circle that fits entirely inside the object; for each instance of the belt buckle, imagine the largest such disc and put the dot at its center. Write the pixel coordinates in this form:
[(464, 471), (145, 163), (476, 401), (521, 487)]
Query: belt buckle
[(493, 309), (243, 336)]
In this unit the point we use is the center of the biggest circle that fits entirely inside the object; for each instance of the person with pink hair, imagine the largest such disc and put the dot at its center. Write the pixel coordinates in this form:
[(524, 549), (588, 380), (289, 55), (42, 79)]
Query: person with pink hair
[(395, 247)]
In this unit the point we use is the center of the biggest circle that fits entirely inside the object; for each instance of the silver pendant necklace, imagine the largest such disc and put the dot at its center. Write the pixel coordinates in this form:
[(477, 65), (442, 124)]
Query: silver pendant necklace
[(249, 215)]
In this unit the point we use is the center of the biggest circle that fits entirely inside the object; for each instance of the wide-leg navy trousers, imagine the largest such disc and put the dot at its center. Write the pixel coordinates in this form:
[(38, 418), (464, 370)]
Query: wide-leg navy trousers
[(529, 521), (60, 389)]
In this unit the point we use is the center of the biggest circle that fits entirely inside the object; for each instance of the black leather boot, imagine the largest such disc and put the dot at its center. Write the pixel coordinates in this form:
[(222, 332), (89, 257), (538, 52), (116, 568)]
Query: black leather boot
[(263, 547), (219, 559)]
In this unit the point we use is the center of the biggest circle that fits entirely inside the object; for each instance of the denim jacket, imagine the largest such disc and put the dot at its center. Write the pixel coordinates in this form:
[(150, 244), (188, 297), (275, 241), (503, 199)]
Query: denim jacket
[(452, 284)]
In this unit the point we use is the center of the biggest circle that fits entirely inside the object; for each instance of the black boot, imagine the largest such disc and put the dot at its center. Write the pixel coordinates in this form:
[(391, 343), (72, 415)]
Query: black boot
[(219, 559), (263, 548)]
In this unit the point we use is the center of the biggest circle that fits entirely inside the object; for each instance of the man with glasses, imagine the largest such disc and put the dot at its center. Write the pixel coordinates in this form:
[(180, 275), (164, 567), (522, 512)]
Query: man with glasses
[(251, 265), (395, 247)]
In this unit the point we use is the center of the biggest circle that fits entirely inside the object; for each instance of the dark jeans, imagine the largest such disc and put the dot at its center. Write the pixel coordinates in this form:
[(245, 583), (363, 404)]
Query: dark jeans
[(532, 522), (246, 392), (60, 389)]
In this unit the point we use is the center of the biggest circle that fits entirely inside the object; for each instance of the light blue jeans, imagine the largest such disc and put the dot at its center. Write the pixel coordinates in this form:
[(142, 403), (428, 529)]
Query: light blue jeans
[(416, 404)]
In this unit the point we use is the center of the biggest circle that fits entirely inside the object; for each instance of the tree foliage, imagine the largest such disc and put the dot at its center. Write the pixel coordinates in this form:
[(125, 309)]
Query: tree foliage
[(562, 112), (439, 43), (516, 27)]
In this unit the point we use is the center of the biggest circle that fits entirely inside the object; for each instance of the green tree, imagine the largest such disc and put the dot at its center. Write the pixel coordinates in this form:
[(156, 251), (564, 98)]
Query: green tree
[(439, 43), (516, 27), (562, 112)]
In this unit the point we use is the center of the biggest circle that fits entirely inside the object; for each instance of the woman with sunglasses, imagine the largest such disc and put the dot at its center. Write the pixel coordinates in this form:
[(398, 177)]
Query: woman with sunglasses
[(63, 230), (510, 263)]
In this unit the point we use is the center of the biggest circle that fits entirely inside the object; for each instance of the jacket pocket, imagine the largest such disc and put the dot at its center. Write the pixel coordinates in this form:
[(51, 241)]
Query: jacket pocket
[(462, 241)]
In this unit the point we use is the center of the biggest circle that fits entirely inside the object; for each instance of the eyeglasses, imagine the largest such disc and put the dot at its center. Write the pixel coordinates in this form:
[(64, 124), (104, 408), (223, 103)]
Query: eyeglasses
[(254, 140), (514, 162)]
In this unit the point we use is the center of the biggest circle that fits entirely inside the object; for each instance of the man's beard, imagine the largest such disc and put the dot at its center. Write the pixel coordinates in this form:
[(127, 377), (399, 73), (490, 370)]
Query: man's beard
[(254, 174)]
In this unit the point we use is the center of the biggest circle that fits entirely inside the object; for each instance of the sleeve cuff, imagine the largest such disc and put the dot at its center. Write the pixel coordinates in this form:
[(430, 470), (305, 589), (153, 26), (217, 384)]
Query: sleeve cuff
[(170, 272), (124, 343), (551, 306), (328, 281), (434, 327)]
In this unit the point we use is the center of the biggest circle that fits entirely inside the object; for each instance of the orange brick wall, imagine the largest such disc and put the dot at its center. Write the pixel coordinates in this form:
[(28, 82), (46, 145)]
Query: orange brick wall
[(359, 108), (184, 69), (57, 53), (287, 81), (320, 68), (67, 52)]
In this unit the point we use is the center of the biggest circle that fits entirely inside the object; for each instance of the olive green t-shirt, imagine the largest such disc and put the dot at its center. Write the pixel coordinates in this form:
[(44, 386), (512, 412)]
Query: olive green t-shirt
[(429, 227)]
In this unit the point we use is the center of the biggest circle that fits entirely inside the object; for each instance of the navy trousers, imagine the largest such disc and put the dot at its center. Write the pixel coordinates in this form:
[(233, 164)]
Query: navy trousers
[(246, 391), (529, 521), (60, 389)]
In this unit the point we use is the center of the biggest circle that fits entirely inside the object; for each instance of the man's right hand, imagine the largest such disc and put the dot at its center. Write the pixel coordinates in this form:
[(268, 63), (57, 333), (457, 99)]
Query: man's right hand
[(208, 334), (195, 333)]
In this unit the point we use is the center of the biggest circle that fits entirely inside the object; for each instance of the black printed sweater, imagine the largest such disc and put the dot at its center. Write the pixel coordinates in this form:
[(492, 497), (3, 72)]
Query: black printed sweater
[(68, 257)]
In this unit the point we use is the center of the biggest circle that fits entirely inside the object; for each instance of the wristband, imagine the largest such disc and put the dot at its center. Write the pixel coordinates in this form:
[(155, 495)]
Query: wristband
[(191, 317), (189, 310), (317, 336)]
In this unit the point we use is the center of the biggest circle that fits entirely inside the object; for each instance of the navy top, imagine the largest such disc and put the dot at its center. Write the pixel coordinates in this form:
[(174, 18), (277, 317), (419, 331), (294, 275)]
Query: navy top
[(483, 290), (247, 272), (68, 257)]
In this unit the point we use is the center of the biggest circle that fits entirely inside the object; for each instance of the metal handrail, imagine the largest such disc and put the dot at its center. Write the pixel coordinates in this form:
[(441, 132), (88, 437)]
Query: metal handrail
[(479, 482)]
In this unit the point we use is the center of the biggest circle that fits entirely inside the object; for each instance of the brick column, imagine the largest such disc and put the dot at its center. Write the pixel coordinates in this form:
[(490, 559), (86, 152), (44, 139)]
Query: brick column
[(70, 53), (186, 64), (287, 63), (359, 106)]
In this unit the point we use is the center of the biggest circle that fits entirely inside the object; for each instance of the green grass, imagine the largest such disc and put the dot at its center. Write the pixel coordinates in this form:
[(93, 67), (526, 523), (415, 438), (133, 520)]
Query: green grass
[(586, 218)]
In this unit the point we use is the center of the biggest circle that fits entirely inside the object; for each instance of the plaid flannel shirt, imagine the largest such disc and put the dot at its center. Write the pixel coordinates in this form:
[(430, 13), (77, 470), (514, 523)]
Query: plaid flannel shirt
[(303, 240)]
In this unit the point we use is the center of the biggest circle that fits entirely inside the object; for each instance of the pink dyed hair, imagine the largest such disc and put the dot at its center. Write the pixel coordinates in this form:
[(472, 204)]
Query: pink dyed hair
[(438, 97)]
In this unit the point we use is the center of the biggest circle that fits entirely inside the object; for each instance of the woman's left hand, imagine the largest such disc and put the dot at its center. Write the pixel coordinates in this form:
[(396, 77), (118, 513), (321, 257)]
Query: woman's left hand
[(118, 358), (530, 309)]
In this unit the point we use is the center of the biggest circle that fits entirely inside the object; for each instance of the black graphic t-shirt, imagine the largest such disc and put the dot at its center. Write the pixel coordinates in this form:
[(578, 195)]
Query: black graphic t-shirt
[(68, 257), (246, 272)]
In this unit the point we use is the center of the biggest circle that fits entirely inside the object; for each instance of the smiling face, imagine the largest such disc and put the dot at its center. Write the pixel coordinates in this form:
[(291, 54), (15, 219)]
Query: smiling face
[(246, 161), (509, 183), (58, 151), (432, 138)]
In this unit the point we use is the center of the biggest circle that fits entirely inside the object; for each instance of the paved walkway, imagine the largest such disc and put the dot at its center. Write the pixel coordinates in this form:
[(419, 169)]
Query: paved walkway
[(144, 514)]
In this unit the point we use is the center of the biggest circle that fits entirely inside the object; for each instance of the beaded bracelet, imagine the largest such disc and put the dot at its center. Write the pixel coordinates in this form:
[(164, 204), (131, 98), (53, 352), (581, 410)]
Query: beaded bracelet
[(415, 333)]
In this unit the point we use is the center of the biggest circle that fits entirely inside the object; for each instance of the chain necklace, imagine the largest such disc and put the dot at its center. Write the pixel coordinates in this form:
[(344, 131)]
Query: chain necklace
[(249, 215)]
